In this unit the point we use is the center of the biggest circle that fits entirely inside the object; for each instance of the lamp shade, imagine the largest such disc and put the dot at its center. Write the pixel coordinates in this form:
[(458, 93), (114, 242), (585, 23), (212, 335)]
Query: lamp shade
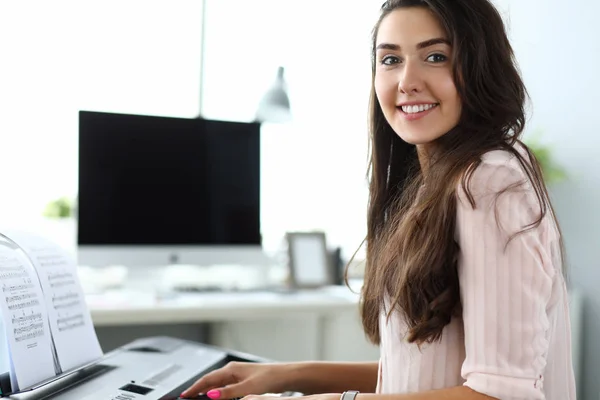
[(275, 104)]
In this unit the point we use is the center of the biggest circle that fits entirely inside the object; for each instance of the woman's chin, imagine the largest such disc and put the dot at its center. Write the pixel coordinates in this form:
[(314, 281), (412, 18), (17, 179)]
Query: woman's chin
[(417, 138)]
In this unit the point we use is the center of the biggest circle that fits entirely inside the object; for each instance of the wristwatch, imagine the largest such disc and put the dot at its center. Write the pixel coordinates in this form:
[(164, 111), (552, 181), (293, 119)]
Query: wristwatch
[(349, 395)]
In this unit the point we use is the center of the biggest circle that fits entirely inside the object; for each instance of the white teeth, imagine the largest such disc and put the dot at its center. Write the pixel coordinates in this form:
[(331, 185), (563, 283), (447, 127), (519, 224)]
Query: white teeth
[(416, 109)]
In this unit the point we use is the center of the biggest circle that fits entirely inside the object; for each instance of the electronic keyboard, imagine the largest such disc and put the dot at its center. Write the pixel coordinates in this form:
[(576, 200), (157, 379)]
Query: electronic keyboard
[(154, 368)]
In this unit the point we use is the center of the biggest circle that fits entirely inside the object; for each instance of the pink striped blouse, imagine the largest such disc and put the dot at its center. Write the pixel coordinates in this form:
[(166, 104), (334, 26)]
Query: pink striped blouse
[(513, 340)]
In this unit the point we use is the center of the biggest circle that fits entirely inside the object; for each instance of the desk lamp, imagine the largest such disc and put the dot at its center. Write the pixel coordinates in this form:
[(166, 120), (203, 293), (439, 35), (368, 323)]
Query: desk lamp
[(275, 104)]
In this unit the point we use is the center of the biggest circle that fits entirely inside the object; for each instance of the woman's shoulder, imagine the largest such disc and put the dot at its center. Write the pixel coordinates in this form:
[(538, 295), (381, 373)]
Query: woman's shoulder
[(498, 171), (499, 157)]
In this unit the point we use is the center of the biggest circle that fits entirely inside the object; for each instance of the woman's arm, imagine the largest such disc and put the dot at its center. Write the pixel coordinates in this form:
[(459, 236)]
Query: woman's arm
[(506, 280), (238, 379), (328, 377), (455, 393)]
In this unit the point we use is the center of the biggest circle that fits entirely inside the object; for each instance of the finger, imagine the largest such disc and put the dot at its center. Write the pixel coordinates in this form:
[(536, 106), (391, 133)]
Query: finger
[(214, 379)]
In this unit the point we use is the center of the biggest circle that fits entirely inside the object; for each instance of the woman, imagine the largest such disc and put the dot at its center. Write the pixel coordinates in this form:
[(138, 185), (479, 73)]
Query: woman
[(464, 290)]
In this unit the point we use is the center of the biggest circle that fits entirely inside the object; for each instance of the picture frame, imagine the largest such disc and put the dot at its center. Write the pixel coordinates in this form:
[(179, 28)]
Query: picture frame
[(308, 260)]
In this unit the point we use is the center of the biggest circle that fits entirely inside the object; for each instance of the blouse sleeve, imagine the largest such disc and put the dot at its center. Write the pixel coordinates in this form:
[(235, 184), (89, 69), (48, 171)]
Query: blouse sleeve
[(505, 284)]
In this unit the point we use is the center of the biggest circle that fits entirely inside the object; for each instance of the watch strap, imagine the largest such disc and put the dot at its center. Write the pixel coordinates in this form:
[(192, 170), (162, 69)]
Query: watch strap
[(349, 395)]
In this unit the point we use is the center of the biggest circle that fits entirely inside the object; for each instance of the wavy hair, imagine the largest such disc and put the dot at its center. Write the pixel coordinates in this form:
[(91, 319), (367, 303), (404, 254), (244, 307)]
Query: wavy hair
[(411, 251)]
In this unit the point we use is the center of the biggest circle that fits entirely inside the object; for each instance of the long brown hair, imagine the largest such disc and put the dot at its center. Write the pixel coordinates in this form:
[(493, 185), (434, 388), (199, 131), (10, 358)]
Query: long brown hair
[(411, 252)]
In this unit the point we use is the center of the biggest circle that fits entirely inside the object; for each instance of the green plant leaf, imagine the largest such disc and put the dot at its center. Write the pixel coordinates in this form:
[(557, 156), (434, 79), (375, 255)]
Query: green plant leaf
[(552, 171), (59, 208)]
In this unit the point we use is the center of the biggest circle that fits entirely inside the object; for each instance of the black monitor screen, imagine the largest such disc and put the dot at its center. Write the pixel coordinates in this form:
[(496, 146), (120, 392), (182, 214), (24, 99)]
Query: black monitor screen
[(146, 180)]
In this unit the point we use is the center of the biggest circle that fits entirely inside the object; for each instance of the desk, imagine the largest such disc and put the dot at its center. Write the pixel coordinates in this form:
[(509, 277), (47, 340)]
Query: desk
[(320, 324)]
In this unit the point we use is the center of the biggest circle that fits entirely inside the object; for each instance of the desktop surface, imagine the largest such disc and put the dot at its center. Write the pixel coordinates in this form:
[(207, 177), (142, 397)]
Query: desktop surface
[(137, 307)]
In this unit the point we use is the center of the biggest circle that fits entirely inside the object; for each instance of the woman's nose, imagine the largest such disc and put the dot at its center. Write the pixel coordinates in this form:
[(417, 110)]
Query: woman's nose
[(410, 80)]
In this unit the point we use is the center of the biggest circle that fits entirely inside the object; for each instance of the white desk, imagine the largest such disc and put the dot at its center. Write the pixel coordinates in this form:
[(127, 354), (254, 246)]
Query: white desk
[(318, 324), (138, 307)]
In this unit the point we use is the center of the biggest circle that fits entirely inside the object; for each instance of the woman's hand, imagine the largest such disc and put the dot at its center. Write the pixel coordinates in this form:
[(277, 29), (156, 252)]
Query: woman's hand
[(238, 379)]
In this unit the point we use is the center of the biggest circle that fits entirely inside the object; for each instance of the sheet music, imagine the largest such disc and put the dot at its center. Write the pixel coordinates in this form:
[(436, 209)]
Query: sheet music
[(23, 312), (70, 320), (4, 352)]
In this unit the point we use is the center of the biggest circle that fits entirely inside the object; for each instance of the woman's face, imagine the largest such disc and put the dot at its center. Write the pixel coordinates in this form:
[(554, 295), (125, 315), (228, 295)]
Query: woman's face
[(413, 76)]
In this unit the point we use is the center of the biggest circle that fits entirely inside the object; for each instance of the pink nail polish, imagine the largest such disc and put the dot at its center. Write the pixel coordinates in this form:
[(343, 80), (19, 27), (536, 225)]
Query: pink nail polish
[(213, 394)]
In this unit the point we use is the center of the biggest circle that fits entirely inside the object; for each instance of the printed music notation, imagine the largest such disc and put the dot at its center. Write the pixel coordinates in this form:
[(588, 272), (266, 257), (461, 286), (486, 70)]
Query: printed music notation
[(65, 301), (68, 323), (48, 326), (27, 304), (63, 283), (61, 279), (26, 318), (14, 288), (59, 276), (67, 305), (12, 269), (68, 296), (27, 327), (5, 275), (51, 260), (20, 297), (31, 335)]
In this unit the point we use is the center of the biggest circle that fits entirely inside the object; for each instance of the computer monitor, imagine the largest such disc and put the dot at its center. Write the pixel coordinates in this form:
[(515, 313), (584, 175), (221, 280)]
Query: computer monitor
[(160, 190)]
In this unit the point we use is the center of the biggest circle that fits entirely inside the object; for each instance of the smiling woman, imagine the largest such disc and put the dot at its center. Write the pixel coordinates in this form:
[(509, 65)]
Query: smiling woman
[(465, 254), (464, 290), (414, 76)]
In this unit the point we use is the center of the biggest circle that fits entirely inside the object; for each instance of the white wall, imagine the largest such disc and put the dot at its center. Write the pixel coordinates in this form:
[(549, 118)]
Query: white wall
[(558, 50), (313, 168), (138, 56)]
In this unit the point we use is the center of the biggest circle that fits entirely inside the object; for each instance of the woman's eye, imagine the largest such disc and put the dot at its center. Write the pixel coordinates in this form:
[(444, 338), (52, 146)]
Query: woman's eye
[(437, 58), (389, 60)]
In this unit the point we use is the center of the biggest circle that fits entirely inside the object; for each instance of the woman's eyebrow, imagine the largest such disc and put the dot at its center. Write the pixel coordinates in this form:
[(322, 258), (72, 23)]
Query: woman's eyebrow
[(421, 45), (432, 42)]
